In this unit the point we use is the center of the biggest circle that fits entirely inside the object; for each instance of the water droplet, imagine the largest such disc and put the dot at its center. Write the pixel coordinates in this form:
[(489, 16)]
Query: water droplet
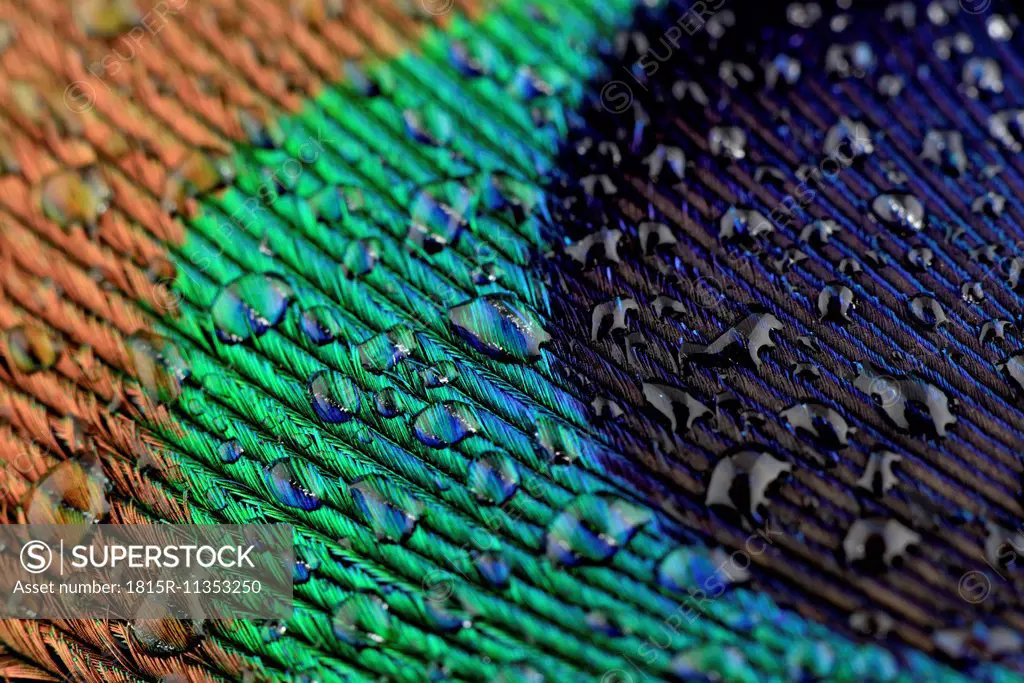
[(920, 258), (848, 140), (728, 141), (972, 292), (272, 630), (593, 528), (305, 566), (743, 226), (874, 544), (166, 637), (897, 396), (945, 148), (158, 365), (856, 59), (440, 214), (818, 231), (900, 211), (679, 408), (31, 348), (389, 403), (927, 312), (782, 69), (586, 253), (73, 492), (362, 620), (500, 327), (686, 569), (249, 306), (360, 257), (740, 344), (878, 476), (835, 302), (1013, 368), (1008, 128), (201, 172), (382, 352), (230, 451), (493, 478), (75, 197), (295, 483), (322, 324), (611, 317), (982, 75), (493, 569), (741, 481), (440, 375), (560, 443), (828, 428), (391, 511), (106, 18), (444, 424), (994, 330), (335, 398), (989, 204)]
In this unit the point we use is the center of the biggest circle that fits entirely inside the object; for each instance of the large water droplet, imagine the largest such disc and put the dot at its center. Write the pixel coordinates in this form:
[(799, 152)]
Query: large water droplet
[(828, 428), (500, 327), (249, 306), (391, 511), (593, 528), (295, 483), (835, 302), (335, 398)]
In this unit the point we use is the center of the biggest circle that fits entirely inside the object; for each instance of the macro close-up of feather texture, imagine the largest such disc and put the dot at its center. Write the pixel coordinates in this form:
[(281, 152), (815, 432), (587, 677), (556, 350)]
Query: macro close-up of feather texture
[(619, 341)]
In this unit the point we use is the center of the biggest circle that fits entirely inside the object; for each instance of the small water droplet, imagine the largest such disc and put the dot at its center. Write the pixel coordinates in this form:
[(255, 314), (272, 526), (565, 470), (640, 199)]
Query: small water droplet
[(166, 637), (927, 312), (73, 492), (493, 569), (945, 149), (440, 375), (901, 211), (875, 544), (901, 396), (835, 302), (742, 343), (230, 451), (741, 481), (158, 365), (878, 476), (676, 407), (360, 257), (75, 197), (335, 398), (322, 324), (382, 352), (828, 428)]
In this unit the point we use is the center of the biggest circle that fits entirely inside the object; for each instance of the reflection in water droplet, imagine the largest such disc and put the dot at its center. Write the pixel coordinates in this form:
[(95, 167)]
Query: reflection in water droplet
[(920, 258), (249, 306), (440, 375), (444, 424), (391, 511), (593, 528), (945, 148), (560, 443), (500, 327), (611, 317), (295, 483), (362, 620), (439, 215), (728, 141), (31, 348), (743, 226), (686, 569), (322, 324), (493, 478), (158, 365), (335, 398), (73, 492)]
